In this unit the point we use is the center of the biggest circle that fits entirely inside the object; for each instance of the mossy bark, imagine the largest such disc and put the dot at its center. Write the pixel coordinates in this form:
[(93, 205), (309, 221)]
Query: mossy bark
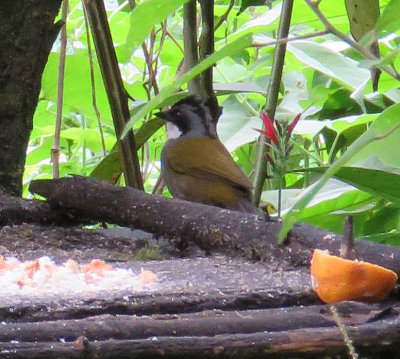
[(27, 31)]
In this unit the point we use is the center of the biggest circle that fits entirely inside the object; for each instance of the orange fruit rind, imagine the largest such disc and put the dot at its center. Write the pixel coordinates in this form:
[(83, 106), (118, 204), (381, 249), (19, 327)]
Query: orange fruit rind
[(335, 279)]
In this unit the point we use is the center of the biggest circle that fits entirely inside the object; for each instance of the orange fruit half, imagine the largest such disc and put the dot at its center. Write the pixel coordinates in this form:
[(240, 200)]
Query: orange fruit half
[(335, 279)]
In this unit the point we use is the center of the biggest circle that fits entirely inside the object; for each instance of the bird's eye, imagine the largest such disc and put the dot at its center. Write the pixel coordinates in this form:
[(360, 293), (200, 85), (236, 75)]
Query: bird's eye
[(178, 113)]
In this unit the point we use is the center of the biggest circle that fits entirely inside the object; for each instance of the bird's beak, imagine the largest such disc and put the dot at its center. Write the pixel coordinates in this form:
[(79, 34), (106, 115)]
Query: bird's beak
[(162, 115)]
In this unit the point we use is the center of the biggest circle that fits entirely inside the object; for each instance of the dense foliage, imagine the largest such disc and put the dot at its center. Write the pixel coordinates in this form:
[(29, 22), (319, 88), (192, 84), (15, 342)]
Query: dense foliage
[(324, 78)]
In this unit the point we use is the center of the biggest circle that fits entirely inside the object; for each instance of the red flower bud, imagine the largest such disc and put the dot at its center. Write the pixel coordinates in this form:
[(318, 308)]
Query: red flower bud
[(269, 131), (292, 125)]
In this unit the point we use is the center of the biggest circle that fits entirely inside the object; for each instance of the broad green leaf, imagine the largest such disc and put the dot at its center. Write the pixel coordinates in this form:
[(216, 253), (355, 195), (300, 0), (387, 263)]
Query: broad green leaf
[(331, 205), (237, 131), (256, 25), (237, 87), (147, 130), (143, 18), (382, 126), (345, 123), (229, 70), (90, 136), (377, 182), (110, 167), (335, 12), (363, 15), (227, 50), (391, 238), (356, 203), (246, 3), (39, 153), (384, 217), (389, 21), (119, 25), (77, 86), (336, 198), (236, 125), (309, 128), (385, 150), (332, 63)]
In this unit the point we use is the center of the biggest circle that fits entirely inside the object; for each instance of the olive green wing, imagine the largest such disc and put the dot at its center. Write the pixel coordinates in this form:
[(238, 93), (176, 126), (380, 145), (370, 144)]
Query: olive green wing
[(206, 158)]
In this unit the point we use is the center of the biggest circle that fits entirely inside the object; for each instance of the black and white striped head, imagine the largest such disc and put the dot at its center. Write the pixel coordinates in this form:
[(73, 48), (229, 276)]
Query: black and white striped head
[(191, 115)]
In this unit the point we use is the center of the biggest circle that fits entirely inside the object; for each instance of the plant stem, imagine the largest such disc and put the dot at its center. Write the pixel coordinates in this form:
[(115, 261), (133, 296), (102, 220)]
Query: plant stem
[(273, 91), (55, 149), (117, 95), (191, 56), (93, 84), (280, 197), (206, 48)]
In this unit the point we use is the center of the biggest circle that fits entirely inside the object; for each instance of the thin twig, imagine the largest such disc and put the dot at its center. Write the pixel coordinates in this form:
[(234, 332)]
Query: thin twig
[(175, 41), (347, 340), (224, 17), (152, 82), (355, 45), (92, 81), (55, 150), (162, 41), (387, 134), (290, 39)]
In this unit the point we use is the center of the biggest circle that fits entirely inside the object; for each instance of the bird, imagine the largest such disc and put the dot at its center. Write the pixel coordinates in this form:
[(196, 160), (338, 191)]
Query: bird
[(196, 166)]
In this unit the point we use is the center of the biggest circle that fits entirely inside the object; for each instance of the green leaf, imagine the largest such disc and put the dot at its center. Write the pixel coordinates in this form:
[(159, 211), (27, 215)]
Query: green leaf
[(363, 15), (91, 136), (332, 63), (347, 123), (389, 21), (246, 3), (40, 153), (147, 130), (258, 24), (227, 50), (391, 238), (143, 18), (380, 183), (236, 125), (383, 151), (335, 196), (237, 87), (382, 126), (110, 167), (330, 207), (77, 86)]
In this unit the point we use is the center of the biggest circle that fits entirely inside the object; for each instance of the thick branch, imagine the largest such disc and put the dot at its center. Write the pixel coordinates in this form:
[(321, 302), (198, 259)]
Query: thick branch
[(211, 228), (15, 210)]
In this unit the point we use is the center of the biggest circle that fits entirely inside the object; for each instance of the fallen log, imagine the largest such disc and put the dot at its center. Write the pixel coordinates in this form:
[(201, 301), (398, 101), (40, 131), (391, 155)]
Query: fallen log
[(211, 228), (15, 210)]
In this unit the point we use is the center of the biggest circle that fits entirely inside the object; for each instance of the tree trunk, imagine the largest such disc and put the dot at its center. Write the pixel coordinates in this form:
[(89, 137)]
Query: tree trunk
[(27, 33)]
